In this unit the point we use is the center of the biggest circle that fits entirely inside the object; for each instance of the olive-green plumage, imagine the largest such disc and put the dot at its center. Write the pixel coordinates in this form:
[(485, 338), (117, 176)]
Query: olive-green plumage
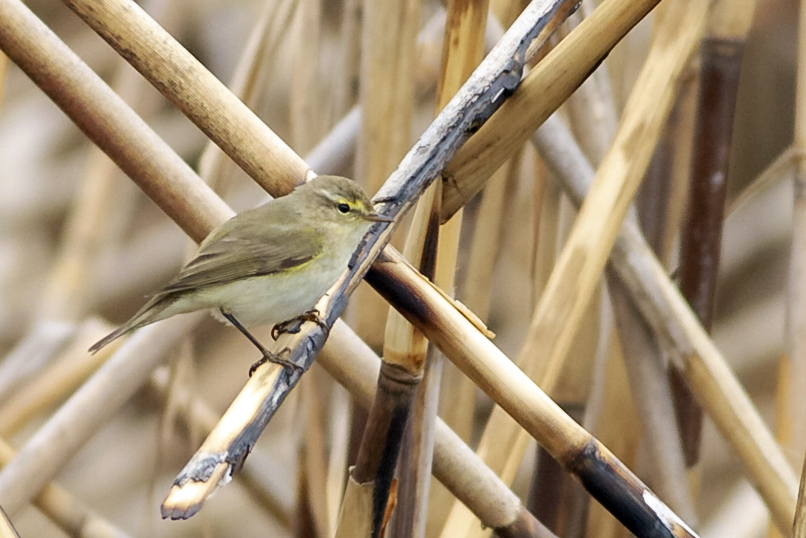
[(268, 264)]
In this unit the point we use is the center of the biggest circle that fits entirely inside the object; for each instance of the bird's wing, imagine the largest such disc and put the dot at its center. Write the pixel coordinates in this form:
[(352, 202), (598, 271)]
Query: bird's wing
[(229, 255)]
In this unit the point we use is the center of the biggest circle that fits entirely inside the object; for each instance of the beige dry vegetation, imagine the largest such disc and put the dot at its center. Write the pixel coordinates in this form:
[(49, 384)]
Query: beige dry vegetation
[(81, 246)]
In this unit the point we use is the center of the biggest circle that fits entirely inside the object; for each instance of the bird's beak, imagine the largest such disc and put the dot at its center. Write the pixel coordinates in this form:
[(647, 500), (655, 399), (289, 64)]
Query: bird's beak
[(374, 217)]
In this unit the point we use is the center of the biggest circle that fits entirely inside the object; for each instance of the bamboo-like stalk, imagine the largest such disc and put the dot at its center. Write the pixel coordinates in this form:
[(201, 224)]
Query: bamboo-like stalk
[(455, 464), (541, 92), (241, 134), (436, 249), (108, 122), (635, 506), (458, 520), (257, 473), (387, 97), (645, 370)]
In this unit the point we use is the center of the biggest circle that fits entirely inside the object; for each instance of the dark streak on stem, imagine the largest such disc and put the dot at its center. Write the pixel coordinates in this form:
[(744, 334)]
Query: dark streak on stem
[(701, 235), (618, 490)]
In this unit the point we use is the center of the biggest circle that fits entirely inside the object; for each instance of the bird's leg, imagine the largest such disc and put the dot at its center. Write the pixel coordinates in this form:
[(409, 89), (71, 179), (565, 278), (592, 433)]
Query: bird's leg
[(293, 325), (268, 356)]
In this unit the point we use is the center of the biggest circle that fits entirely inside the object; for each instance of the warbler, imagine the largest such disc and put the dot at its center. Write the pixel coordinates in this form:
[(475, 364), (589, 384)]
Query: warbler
[(268, 265)]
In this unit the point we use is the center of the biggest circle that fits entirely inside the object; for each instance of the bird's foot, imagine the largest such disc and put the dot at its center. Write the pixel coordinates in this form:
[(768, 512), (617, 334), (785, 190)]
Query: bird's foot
[(268, 356), (294, 325)]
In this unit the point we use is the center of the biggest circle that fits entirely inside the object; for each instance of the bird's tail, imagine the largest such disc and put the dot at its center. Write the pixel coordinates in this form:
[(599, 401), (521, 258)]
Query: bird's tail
[(149, 313)]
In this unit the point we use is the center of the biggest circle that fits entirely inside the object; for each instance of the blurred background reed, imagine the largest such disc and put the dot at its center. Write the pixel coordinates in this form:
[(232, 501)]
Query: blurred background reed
[(81, 246)]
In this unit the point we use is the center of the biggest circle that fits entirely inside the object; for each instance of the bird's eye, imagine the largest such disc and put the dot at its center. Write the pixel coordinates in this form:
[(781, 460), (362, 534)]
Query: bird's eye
[(344, 208)]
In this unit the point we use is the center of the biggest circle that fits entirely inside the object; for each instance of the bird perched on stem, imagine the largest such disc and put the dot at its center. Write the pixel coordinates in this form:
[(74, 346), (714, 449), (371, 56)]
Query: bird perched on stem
[(268, 265)]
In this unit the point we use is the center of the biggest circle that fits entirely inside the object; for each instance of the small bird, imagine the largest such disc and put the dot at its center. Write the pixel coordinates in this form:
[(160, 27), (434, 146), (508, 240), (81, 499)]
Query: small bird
[(268, 265)]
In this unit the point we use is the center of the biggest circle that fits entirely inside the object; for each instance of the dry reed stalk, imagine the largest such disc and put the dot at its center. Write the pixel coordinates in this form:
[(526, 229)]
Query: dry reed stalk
[(387, 96), (615, 422), (542, 91), (247, 80), (356, 366), (576, 273), (258, 474), (435, 249), (582, 260), (476, 291), (70, 275), (636, 506), (504, 444), (108, 122), (690, 348), (653, 399), (194, 90), (701, 235)]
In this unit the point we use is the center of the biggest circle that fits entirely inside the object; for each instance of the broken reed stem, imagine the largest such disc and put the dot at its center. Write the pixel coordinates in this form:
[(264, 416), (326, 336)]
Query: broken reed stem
[(239, 132), (351, 362)]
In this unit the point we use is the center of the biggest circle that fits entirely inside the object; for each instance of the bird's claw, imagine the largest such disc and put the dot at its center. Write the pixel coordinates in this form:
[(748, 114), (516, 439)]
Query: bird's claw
[(293, 325)]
